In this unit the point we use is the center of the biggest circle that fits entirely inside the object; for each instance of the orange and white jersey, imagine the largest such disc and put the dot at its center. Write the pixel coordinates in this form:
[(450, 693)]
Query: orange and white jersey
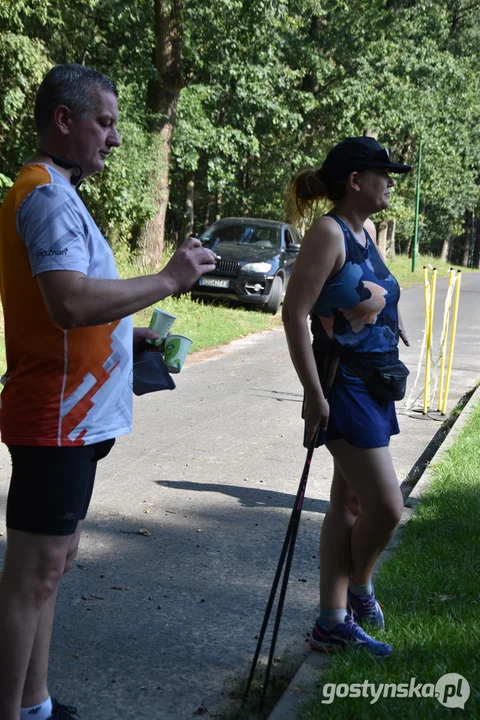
[(61, 387)]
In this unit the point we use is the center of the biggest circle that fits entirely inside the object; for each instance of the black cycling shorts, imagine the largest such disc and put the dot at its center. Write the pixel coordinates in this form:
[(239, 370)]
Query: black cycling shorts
[(51, 487)]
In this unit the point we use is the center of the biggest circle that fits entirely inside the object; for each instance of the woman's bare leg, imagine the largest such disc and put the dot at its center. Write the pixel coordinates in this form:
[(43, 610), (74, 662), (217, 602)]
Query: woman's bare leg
[(370, 475), (336, 543)]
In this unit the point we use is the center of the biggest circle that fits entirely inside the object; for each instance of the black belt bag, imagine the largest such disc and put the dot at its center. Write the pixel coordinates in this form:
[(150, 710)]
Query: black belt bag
[(384, 375)]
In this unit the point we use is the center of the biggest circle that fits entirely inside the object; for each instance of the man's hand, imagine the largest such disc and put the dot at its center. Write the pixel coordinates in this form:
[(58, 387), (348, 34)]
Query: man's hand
[(140, 334), (75, 300), (188, 263)]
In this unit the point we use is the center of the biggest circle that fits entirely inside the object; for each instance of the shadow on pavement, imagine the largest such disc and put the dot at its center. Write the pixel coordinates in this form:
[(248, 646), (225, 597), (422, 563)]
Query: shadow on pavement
[(249, 497)]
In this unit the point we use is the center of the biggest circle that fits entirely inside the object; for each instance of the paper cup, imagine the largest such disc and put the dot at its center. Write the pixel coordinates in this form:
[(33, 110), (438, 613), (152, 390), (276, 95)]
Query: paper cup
[(160, 323), (176, 350)]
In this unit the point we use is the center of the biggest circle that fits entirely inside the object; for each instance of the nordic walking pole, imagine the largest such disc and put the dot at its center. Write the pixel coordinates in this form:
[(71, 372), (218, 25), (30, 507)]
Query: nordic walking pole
[(444, 337), (286, 575), (271, 598), (296, 510), (452, 339)]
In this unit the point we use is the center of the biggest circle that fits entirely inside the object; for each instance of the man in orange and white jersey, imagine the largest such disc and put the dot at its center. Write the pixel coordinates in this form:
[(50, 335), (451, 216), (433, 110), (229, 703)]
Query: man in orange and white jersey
[(67, 390)]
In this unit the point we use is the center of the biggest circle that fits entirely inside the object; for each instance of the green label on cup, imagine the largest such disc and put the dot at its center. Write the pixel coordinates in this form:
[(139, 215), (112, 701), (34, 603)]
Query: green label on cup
[(160, 322), (176, 350)]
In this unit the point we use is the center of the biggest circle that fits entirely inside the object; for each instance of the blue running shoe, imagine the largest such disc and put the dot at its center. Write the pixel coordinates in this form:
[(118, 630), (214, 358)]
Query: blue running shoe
[(366, 610), (347, 634)]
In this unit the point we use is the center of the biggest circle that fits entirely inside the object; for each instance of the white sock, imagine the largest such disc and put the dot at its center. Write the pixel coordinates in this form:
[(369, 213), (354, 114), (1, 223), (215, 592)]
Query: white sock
[(332, 618), (361, 590), (37, 712)]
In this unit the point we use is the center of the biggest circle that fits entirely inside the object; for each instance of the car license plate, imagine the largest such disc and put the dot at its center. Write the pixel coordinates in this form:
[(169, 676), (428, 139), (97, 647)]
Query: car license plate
[(214, 282)]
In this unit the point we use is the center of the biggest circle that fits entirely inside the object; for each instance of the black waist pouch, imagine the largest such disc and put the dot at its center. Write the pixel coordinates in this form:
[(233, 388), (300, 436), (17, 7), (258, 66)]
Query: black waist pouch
[(384, 375), (150, 373)]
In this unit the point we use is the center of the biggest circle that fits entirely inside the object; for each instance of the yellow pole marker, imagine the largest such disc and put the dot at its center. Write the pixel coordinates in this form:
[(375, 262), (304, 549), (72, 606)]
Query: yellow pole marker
[(452, 338), (426, 295), (444, 338), (433, 285)]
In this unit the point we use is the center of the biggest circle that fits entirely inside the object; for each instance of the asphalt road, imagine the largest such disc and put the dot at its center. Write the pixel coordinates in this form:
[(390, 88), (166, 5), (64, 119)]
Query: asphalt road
[(159, 615)]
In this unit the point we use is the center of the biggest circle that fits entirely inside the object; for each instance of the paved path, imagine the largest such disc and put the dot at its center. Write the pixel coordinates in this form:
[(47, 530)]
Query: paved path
[(155, 626)]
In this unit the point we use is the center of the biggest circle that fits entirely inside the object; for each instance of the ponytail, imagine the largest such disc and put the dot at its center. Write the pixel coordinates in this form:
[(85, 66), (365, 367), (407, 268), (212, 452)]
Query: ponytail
[(311, 193)]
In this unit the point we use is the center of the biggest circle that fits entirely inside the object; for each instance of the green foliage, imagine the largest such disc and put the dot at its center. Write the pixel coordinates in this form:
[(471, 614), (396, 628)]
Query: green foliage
[(23, 63), (120, 198), (272, 86), (5, 182), (268, 87)]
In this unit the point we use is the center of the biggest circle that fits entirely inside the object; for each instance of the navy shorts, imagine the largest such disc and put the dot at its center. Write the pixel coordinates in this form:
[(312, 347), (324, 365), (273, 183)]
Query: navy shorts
[(51, 487), (356, 416)]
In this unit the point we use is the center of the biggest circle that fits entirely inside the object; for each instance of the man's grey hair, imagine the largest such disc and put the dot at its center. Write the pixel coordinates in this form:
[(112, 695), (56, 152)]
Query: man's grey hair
[(69, 85)]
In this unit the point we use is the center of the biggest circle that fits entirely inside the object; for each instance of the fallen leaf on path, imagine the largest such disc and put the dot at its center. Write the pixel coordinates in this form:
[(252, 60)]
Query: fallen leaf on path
[(92, 597), (141, 531)]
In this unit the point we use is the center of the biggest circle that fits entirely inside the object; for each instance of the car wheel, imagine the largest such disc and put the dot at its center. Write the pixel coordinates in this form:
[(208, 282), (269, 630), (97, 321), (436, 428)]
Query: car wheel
[(275, 297)]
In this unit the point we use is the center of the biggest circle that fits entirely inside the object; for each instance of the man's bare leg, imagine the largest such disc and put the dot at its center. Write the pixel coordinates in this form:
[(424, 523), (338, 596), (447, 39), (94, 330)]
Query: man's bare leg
[(31, 572), (35, 689)]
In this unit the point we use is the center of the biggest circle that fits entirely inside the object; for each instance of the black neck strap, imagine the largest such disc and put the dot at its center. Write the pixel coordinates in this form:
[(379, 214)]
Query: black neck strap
[(66, 164)]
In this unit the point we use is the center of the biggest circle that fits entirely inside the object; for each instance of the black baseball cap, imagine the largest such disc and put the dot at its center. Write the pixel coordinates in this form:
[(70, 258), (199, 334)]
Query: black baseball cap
[(356, 154)]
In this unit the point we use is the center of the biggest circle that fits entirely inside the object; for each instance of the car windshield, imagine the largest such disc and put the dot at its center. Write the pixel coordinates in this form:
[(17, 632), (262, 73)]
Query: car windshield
[(242, 234)]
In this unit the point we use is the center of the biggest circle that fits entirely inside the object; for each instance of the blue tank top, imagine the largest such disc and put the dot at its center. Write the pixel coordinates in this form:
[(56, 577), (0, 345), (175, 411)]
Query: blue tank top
[(357, 307)]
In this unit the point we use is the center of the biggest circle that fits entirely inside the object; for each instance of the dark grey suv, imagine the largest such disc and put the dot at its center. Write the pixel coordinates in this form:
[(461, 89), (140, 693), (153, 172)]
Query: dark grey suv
[(255, 259)]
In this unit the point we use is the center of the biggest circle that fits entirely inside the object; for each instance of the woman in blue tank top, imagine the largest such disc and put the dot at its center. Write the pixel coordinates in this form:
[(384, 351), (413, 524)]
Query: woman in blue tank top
[(342, 282)]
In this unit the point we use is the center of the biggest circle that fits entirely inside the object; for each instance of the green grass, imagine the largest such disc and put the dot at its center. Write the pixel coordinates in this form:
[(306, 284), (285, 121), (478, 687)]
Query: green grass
[(209, 325), (431, 590), (401, 267)]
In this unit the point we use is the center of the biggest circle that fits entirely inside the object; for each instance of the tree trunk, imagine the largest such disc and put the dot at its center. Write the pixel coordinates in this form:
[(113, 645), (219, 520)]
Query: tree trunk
[(391, 239), (189, 205), (476, 249), (245, 187), (219, 211), (382, 228), (467, 238), (210, 210), (162, 97), (446, 246)]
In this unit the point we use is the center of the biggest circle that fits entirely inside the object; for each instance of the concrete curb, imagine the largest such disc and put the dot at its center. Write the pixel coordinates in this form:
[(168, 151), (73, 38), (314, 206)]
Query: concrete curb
[(424, 481), (308, 678)]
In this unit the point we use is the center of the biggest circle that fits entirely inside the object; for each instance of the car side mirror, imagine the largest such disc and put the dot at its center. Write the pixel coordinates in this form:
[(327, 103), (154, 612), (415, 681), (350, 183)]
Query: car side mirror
[(293, 248)]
